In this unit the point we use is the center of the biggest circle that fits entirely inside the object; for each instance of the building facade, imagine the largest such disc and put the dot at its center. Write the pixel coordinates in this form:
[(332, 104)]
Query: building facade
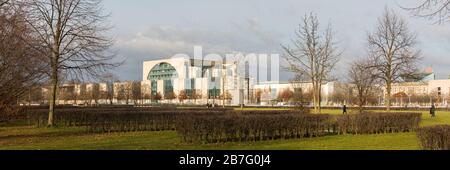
[(272, 93), (422, 93), (200, 81), (422, 90), (190, 81), (184, 81)]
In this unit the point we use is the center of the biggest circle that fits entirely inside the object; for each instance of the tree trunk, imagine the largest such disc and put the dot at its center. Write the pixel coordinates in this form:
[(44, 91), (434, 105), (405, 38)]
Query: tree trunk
[(319, 92), (361, 103), (388, 96), (54, 74), (316, 97), (29, 97), (52, 102)]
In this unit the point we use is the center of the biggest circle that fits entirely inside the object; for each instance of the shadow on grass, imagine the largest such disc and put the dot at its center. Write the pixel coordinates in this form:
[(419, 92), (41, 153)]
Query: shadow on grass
[(14, 123), (56, 133)]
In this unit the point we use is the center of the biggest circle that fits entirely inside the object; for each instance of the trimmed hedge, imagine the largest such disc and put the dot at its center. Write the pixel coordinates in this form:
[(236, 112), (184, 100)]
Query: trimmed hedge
[(265, 126), (224, 125), (140, 121), (114, 121), (81, 116), (375, 123), (124, 120), (265, 112), (435, 137), (251, 127), (119, 122)]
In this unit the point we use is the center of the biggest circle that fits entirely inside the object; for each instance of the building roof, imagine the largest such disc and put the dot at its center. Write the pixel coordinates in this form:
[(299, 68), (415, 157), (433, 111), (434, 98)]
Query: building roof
[(425, 76)]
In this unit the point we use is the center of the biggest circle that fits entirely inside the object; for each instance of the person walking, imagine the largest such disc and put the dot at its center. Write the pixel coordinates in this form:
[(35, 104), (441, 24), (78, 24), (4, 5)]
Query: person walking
[(433, 110)]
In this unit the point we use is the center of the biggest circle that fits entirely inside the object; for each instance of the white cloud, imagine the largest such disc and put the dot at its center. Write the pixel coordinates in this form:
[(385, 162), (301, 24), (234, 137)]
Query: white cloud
[(166, 28), (165, 41)]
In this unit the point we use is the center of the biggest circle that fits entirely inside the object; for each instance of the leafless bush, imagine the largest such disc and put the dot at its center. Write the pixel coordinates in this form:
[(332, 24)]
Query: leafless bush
[(375, 123), (201, 125), (109, 118), (435, 138), (238, 127)]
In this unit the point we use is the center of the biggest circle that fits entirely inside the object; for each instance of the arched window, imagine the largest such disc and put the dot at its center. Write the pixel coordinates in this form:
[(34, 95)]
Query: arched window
[(163, 71)]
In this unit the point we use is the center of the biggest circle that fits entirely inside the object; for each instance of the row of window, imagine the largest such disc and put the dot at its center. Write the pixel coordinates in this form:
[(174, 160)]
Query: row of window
[(415, 90)]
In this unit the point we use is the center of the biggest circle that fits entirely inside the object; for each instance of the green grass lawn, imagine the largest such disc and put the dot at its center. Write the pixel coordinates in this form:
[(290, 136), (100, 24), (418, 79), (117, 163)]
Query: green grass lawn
[(18, 136)]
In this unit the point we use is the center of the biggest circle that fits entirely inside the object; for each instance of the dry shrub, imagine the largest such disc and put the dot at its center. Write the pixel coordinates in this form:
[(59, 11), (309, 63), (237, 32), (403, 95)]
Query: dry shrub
[(8, 113), (265, 112), (234, 127), (270, 125), (114, 119), (70, 116), (374, 123), (123, 122), (435, 137), (109, 121), (225, 125)]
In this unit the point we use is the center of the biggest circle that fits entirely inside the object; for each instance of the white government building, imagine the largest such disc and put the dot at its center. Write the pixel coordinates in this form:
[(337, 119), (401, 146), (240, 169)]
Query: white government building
[(230, 83), (426, 86), (209, 79), (212, 79)]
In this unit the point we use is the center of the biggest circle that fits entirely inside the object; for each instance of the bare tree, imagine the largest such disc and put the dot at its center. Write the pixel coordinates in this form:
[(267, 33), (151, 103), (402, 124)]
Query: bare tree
[(182, 96), (146, 93), (20, 62), (257, 95), (195, 95), (94, 93), (74, 34), (362, 76), (119, 90), (170, 96), (65, 93), (437, 10), (301, 96), (83, 95), (286, 95), (391, 51), (343, 94), (157, 97), (3, 2), (314, 55), (35, 94), (136, 91), (103, 93), (301, 93), (225, 97), (128, 91), (75, 94), (109, 79)]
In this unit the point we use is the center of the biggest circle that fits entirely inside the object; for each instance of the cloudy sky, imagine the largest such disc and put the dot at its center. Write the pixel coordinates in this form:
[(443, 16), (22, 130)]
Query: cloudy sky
[(155, 29)]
